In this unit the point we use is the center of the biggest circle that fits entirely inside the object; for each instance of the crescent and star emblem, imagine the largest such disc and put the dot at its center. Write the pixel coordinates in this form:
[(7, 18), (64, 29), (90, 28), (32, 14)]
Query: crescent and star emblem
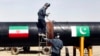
[(82, 30)]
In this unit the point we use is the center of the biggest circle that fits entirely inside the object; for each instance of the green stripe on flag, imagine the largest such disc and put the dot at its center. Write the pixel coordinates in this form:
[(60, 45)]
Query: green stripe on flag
[(83, 30), (18, 27)]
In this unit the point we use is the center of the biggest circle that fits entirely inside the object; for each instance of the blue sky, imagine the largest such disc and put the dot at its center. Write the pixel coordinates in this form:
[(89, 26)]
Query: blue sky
[(61, 10)]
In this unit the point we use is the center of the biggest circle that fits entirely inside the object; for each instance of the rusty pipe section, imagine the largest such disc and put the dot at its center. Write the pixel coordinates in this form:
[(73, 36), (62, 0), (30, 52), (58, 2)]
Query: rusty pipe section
[(29, 36)]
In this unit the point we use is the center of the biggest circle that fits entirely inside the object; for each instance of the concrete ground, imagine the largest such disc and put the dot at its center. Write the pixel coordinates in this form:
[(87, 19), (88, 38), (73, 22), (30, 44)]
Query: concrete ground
[(35, 52)]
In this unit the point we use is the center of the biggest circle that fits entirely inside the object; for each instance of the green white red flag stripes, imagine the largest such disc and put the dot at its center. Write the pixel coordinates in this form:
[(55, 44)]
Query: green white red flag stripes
[(18, 31), (78, 31)]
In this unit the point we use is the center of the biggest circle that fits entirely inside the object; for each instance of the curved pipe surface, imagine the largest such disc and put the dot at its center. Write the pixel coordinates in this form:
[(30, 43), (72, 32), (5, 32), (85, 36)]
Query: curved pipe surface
[(64, 28)]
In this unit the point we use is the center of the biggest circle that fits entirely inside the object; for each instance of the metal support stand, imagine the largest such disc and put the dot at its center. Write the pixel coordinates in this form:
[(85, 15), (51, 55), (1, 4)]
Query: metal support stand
[(81, 46), (90, 51), (74, 51)]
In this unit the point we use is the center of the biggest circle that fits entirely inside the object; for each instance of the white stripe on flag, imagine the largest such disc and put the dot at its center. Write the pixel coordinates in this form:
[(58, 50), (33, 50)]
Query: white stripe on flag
[(73, 31), (20, 31)]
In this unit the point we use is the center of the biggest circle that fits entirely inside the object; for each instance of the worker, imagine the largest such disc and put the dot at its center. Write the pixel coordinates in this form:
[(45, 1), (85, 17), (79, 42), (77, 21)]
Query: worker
[(41, 18), (57, 45)]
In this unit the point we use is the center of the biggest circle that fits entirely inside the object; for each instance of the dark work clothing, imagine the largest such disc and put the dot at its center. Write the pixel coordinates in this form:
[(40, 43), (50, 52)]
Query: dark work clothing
[(54, 54), (57, 45), (41, 26), (41, 20), (42, 13)]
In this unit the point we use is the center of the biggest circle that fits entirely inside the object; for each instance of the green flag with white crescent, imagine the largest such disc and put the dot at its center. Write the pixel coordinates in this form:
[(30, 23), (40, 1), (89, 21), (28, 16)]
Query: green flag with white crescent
[(78, 31)]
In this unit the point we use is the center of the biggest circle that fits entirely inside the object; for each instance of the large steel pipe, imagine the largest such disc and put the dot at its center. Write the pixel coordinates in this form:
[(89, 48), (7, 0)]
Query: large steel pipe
[(64, 28)]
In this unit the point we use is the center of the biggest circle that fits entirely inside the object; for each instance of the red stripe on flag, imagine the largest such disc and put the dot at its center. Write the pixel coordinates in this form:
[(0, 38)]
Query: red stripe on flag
[(23, 35)]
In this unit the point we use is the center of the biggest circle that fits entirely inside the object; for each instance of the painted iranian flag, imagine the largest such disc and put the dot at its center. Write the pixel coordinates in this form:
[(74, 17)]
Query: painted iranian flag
[(18, 31), (78, 31)]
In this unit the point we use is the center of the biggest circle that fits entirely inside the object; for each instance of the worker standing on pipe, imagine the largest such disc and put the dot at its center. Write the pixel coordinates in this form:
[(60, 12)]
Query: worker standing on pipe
[(57, 45), (41, 18)]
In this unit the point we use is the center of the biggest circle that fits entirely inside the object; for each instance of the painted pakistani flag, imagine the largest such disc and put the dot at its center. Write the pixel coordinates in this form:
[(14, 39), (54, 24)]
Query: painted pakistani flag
[(18, 31), (78, 31)]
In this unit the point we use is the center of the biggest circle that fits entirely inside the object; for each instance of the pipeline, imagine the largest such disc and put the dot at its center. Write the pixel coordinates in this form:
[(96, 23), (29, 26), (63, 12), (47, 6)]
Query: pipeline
[(31, 38)]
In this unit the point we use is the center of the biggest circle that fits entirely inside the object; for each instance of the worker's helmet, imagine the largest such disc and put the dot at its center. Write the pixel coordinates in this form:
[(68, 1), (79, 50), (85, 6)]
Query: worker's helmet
[(47, 4)]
